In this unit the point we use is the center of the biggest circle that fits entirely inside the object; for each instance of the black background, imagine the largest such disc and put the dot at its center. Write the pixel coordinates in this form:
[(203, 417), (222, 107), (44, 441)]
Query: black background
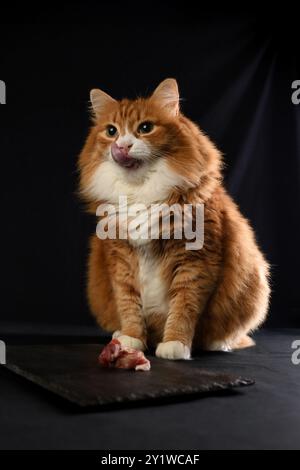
[(235, 74)]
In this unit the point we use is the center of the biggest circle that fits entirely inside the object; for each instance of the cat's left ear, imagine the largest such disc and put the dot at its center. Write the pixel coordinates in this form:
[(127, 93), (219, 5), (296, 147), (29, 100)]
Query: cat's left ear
[(167, 95), (99, 99)]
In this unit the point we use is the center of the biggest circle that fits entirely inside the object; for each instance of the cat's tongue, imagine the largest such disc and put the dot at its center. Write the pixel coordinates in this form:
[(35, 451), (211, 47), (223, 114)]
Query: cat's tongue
[(121, 157)]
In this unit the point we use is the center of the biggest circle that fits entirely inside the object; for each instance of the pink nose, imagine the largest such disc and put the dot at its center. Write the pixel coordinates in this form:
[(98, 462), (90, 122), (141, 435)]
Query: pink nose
[(124, 147)]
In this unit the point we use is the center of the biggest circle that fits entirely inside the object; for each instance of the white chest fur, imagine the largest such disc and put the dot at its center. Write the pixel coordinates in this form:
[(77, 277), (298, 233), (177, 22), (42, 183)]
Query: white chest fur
[(153, 288), (109, 182)]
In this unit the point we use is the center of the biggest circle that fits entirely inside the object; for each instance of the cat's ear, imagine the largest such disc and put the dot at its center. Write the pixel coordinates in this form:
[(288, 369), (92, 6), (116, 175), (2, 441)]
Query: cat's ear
[(99, 99), (167, 95)]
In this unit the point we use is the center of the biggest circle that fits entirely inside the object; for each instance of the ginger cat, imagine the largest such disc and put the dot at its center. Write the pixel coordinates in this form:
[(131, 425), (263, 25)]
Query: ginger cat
[(159, 293)]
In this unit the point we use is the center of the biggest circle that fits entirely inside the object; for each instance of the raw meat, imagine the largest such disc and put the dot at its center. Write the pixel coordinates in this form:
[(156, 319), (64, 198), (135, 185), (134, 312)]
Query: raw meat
[(114, 355)]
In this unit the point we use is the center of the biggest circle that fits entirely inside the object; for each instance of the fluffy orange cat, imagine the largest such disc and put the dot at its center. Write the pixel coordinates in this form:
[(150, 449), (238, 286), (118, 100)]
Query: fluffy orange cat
[(159, 293)]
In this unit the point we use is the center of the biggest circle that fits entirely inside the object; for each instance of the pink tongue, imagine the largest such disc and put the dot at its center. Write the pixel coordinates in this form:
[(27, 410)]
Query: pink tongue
[(121, 156)]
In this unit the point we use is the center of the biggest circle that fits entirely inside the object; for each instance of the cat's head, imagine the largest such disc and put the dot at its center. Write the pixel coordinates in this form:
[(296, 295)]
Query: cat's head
[(142, 148)]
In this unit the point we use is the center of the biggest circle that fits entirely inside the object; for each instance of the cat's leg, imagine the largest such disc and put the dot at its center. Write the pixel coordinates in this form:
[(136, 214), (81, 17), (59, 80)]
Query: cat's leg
[(234, 311), (189, 292), (112, 292), (239, 302), (132, 329)]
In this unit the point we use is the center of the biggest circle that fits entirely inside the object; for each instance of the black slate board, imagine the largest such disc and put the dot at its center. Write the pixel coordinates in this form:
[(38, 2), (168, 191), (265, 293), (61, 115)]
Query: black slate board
[(72, 372)]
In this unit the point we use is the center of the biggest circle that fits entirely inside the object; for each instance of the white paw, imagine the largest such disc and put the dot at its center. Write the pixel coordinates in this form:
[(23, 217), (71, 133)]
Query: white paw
[(130, 342), (116, 334), (173, 350), (219, 346)]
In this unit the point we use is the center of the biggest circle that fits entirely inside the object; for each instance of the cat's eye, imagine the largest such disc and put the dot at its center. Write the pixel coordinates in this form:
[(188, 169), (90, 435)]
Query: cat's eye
[(111, 130), (145, 127)]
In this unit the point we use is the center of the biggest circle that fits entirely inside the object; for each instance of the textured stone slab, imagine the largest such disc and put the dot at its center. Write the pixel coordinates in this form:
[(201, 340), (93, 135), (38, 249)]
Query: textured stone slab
[(72, 372)]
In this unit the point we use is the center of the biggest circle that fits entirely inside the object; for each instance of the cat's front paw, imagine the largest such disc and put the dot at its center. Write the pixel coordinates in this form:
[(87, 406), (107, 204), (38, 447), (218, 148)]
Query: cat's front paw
[(130, 342), (116, 334), (173, 350)]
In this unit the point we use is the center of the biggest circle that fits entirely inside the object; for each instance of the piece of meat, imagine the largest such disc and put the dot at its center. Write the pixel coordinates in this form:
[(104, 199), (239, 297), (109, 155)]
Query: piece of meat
[(110, 353), (114, 355)]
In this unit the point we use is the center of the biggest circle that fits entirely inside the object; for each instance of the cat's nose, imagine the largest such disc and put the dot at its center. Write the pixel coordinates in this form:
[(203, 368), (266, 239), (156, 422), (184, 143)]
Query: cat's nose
[(125, 147)]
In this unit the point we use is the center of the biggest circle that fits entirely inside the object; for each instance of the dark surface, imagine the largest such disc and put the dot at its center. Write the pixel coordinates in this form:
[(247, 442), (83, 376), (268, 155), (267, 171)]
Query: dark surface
[(72, 372), (235, 74), (265, 415)]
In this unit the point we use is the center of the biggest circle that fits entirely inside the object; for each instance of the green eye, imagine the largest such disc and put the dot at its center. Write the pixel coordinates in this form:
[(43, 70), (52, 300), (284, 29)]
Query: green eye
[(145, 127), (111, 130)]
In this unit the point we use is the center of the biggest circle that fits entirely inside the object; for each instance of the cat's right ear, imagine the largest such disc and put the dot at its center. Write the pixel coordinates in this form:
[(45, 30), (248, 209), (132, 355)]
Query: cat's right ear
[(99, 99), (167, 96)]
